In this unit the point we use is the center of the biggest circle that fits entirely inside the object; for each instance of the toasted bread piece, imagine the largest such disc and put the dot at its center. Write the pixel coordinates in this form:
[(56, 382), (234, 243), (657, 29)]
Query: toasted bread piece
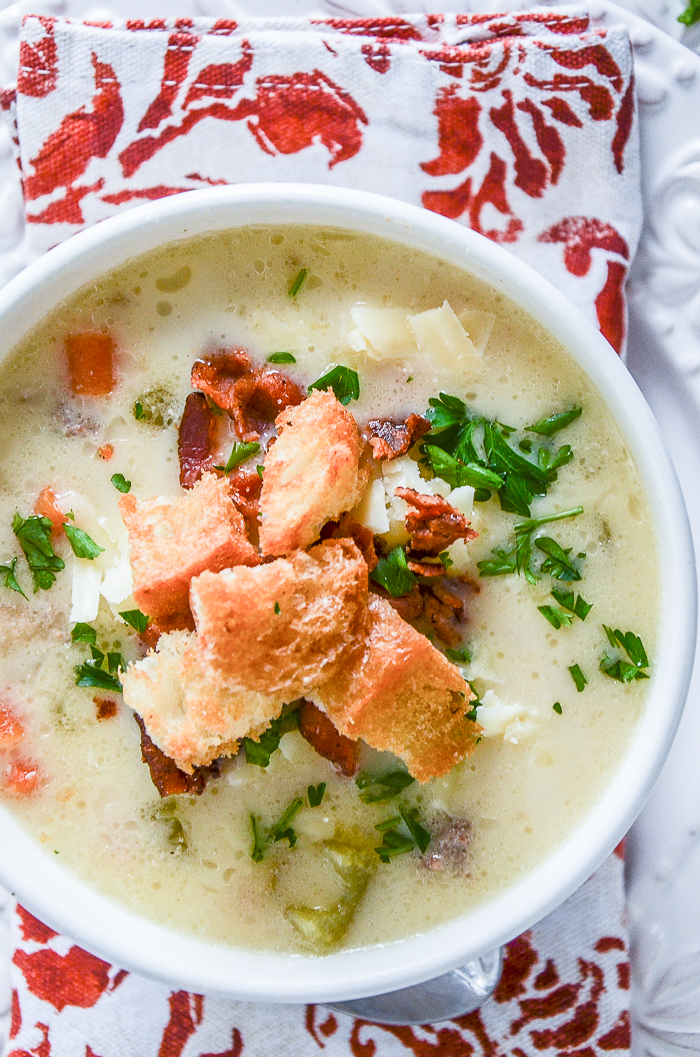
[(404, 696), (173, 539), (191, 716), (287, 625), (312, 473)]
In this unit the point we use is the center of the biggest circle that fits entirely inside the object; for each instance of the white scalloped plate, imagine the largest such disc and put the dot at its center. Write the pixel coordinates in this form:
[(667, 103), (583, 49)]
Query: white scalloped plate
[(664, 357)]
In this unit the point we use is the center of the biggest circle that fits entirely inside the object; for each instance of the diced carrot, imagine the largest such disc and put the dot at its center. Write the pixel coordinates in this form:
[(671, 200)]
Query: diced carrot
[(46, 505), (90, 363), (11, 730), (106, 452), (22, 777)]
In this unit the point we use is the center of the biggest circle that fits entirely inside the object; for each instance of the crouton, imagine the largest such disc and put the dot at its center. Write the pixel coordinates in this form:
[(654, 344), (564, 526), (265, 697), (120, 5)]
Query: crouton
[(287, 625), (189, 714), (403, 696), (173, 539), (312, 473)]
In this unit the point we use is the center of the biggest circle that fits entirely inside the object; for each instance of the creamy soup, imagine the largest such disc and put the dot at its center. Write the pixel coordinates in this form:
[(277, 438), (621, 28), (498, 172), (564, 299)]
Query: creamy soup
[(557, 696)]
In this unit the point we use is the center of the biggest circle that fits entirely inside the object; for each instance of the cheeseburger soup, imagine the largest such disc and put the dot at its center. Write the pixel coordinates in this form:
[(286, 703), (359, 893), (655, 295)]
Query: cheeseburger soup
[(328, 593)]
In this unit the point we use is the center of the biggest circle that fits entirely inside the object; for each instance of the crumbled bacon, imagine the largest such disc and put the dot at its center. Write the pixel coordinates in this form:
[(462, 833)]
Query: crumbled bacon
[(105, 707), (439, 613), (426, 568), (195, 439), (449, 847), (11, 730), (46, 505), (434, 524), (391, 439), (90, 359), (250, 397), (317, 729), (348, 528), (106, 452), (409, 606), (246, 486), (166, 776)]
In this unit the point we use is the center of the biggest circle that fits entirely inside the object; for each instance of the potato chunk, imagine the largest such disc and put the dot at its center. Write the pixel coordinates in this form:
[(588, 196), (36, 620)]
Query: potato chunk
[(286, 626), (173, 539), (189, 714), (402, 695), (312, 473)]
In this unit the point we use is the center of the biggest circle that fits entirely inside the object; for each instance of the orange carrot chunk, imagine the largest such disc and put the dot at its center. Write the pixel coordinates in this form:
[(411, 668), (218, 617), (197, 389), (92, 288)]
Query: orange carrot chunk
[(46, 505), (90, 363), (11, 730), (22, 777)]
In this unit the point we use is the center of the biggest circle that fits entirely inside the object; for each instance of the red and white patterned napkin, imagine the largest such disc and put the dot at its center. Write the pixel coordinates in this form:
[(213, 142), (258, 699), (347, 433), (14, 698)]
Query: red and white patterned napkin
[(522, 126)]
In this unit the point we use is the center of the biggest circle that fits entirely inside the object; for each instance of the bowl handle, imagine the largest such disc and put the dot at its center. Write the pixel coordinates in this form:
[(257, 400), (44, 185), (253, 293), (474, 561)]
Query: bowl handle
[(451, 995)]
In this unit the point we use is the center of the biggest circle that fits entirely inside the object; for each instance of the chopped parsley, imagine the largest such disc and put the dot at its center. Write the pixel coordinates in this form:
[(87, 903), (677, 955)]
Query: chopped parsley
[(517, 558), (316, 794), (547, 427), (136, 619), (447, 562), (260, 751), (34, 535), (257, 853), (344, 382), (91, 673), (691, 15), (419, 834), (83, 545), (557, 708), (462, 656), (120, 483), (557, 562), (281, 830), (241, 451), (277, 609), (394, 574), (9, 579), (260, 470), (395, 842), (281, 357), (556, 617), (619, 669), (297, 282), (138, 410), (574, 603), (84, 633), (578, 677), (466, 449), (375, 788)]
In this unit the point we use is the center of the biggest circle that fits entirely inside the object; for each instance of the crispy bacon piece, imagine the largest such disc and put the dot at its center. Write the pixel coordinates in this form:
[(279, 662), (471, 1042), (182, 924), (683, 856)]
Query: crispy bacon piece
[(426, 568), (106, 452), (246, 486), (21, 777), (439, 613), (449, 848), (317, 729), (391, 439), (433, 524), (347, 528), (105, 707), (166, 776), (11, 730), (195, 439), (90, 359), (46, 505), (250, 397), (409, 606)]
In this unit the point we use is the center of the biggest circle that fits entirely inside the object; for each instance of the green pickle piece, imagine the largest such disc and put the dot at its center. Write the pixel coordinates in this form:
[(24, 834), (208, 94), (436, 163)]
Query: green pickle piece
[(175, 834), (324, 927)]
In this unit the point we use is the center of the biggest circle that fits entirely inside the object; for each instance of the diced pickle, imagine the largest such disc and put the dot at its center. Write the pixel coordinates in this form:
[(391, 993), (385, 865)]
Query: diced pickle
[(175, 835), (324, 927)]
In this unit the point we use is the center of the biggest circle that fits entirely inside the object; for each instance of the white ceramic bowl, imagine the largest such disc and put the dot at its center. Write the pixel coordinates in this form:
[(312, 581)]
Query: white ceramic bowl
[(127, 939)]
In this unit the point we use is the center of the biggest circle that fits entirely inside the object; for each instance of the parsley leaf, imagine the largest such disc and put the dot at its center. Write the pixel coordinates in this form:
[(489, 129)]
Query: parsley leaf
[(517, 558), (458, 473), (90, 674), (556, 617), (557, 708), (691, 15), (394, 574), (84, 633), (419, 834), (258, 851), (578, 677), (120, 483), (297, 282), (625, 671), (574, 603), (344, 382), (547, 427), (9, 578), (138, 410), (376, 788), (136, 619), (281, 357), (393, 844), (259, 752), (316, 793), (83, 545), (458, 656), (34, 535), (282, 829), (240, 452), (557, 562)]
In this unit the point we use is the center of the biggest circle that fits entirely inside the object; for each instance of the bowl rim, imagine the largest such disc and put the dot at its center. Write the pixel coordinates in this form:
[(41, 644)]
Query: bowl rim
[(112, 931)]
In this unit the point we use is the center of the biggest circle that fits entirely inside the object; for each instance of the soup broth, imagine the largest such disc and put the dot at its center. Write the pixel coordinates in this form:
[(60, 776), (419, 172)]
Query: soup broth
[(555, 725)]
